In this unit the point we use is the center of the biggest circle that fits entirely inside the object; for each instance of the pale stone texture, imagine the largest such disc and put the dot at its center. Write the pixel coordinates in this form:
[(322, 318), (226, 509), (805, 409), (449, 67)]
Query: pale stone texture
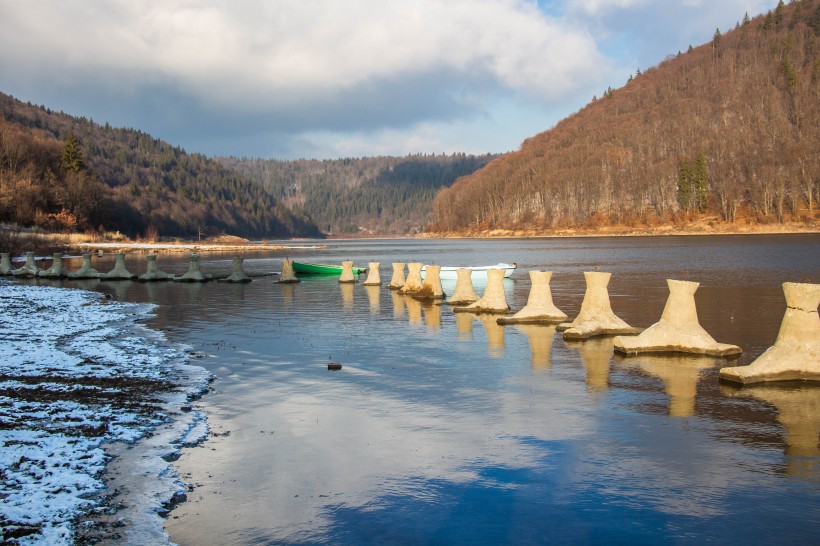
[(85, 271), (153, 272), (397, 281), (413, 283), (373, 276), (56, 270), (120, 272), (5, 263), (288, 276), (464, 293), (347, 275), (494, 299), (678, 331), (596, 317), (238, 272), (540, 308), (194, 274), (431, 288), (29, 269), (795, 354)]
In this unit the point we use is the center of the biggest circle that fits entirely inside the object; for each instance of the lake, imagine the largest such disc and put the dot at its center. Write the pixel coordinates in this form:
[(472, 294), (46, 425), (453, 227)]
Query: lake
[(450, 429)]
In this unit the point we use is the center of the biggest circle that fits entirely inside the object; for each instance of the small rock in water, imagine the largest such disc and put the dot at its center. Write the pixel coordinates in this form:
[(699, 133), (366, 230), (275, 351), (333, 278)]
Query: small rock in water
[(334, 366)]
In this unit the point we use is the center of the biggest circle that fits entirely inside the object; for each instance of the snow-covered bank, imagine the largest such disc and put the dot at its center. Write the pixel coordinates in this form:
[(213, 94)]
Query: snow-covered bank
[(84, 388)]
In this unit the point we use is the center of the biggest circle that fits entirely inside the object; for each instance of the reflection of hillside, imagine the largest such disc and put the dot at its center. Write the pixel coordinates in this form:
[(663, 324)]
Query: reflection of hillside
[(596, 354), (540, 338), (495, 335), (680, 375), (798, 410)]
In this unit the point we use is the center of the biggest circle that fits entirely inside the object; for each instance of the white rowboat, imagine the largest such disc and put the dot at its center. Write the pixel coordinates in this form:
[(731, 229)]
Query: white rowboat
[(478, 272)]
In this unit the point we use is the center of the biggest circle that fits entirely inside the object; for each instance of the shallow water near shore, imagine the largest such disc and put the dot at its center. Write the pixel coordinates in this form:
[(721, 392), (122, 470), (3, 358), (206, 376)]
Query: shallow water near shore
[(450, 429)]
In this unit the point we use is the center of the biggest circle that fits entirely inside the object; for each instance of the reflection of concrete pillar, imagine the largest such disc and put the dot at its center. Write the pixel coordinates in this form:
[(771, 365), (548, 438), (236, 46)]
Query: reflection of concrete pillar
[(539, 308), (287, 295), (374, 297), (397, 281), (347, 273), (680, 375), (678, 331), (540, 338), (596, 317), (494, 299), (431, 288), (120, 272), (85, 271), (29, 269), (5, 263), (154, 273), (596, 355), (464, 293), (464, 326), (287, 276), (798, 410), (413, 311), (238, 272), (56, 270), (347, 295), (413, 283), (398, 305), (373, 276), (795, 354), (495, 335), (194, 274), (432, 315)]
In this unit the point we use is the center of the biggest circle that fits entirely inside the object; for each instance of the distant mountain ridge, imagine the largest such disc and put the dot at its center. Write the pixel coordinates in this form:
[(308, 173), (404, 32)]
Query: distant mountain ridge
[(730, 129)]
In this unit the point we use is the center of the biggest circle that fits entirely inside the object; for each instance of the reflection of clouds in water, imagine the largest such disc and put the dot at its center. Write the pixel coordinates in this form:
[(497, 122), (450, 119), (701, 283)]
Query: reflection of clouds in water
[(540, 339), (680, 375), (798, 410)]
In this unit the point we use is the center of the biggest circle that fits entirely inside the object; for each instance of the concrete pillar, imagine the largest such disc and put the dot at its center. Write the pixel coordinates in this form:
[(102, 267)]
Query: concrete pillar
[(397, 281), (373, 276), (5, 263), (56, 270), (494, 299), (464, 293), (154, 273), (431, 288), (347, 275), (678, 331), (194, 274), (85, 271), (413, 283), (29, 269), (539, 308), (238, 272), (540, 338), (596, 317), (120, 272), (795, 354), (288, 276)]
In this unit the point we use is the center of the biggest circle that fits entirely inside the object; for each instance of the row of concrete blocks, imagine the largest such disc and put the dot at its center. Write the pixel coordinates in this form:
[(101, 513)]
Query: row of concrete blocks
[(794, 356), (119, 272)]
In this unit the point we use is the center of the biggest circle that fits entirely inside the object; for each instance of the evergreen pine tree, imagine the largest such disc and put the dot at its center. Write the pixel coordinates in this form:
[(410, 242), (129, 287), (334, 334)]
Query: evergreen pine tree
[(71, 157)]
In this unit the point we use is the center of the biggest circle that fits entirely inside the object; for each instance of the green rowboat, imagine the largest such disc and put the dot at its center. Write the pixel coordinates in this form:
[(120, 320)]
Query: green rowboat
[(305, 268)]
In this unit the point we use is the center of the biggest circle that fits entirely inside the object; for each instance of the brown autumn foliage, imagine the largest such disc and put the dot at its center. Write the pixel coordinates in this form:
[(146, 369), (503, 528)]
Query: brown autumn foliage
[(727, 129)]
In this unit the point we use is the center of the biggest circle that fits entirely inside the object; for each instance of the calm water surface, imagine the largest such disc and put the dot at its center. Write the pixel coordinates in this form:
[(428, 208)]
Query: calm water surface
[(450, 429)]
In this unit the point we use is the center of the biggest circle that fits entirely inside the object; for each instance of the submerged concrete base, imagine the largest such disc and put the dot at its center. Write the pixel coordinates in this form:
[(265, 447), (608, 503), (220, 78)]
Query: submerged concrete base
[(154, 273), (539, 308), (431, 288), (194, 274), (494, 300), (678, 331), (347, 276), (120, 272), (56, 270), (398, 280), (413, 283), (795, 355), (596, 317), (238, 274), (464, 293), (373, 276), (29, 269), (85, 271), (288, 276)]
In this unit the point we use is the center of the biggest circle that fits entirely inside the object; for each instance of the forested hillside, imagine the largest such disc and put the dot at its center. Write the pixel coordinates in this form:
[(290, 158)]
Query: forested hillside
[(66, 173), (371, 195), (729, 130)]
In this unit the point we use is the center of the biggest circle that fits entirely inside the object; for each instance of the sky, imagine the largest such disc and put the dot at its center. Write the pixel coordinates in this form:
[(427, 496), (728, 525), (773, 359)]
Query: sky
[(325, 79)]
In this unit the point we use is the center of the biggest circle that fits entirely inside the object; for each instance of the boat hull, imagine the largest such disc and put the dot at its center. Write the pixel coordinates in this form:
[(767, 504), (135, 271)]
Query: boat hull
[(305, 268), (478, 272)]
